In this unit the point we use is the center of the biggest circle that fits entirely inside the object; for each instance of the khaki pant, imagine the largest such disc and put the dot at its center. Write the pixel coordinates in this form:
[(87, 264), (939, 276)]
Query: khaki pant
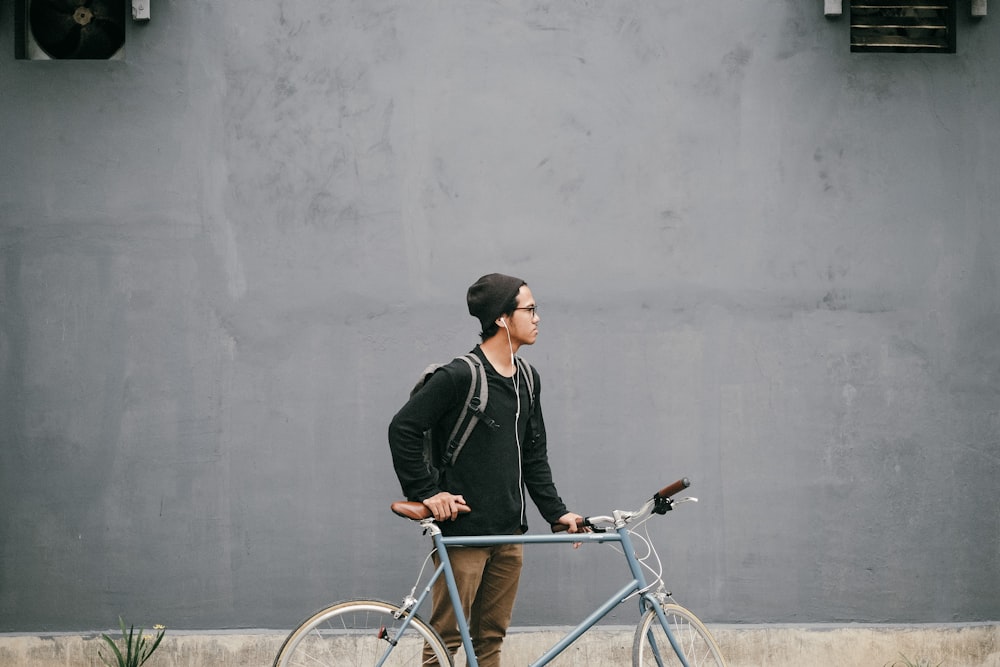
[(487, 579)]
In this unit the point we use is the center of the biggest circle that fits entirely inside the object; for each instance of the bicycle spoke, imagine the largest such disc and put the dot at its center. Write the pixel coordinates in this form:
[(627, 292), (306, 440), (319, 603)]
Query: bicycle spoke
[(696, 644), (361, 633)]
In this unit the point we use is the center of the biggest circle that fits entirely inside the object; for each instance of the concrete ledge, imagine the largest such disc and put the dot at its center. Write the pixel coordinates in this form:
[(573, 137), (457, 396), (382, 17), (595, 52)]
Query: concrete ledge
[(947, 645), (965, 645)]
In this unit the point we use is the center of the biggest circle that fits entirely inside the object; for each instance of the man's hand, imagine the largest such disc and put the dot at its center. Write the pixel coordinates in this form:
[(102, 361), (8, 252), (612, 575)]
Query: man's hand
[(569, 520), (446, 506)]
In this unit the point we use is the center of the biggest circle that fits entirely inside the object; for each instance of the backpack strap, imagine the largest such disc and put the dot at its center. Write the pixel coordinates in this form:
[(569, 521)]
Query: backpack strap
[(525, 369), (472, 411)]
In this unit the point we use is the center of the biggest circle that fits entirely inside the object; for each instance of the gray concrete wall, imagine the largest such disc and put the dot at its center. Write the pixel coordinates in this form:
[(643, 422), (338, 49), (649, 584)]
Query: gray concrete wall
[(761, 261)]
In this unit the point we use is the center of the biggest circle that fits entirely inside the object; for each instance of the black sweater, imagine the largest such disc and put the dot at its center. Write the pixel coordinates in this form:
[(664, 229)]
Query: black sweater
[(491, 472)]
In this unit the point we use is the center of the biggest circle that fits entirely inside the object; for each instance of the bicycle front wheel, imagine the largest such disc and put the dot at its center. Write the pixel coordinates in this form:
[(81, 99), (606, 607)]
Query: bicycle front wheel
[(652, 647), (362, 632)]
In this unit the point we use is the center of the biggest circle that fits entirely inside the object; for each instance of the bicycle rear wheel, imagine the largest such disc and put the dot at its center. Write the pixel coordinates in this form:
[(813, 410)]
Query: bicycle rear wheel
[(362, 632), (651, 646)]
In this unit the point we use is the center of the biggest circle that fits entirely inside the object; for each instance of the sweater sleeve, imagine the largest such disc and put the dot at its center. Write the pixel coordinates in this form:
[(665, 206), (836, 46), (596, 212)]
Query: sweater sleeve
[(537, 472), (406, 434)]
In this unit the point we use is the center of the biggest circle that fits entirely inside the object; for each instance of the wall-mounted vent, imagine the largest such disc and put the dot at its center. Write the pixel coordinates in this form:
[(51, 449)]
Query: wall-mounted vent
[(907, 26), (74, 29)]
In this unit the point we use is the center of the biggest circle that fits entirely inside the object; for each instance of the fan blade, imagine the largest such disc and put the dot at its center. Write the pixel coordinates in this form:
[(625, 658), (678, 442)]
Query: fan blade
[(99, 40)]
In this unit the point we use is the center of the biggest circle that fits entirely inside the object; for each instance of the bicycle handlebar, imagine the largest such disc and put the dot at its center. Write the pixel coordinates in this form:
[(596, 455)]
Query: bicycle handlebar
[(580, 525), (418, 511), (663, 494), (674, 488)]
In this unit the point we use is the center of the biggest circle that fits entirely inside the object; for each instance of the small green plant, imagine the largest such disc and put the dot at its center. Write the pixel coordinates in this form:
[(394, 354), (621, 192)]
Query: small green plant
[(906, 662), (137, 646)]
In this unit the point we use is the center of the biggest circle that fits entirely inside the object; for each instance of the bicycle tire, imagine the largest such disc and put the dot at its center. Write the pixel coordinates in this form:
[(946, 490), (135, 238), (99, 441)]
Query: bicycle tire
[(350, 634), (694, 639)]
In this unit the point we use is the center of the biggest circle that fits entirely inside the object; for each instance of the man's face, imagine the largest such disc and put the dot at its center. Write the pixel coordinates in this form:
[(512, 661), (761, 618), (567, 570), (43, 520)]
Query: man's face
[(523, 322)]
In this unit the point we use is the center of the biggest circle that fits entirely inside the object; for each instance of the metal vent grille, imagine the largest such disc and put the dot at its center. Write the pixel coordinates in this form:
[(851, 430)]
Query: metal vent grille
[(906, 26)]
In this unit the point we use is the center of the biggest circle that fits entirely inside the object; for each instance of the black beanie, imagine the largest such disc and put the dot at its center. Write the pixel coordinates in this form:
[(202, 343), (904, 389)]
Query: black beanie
[(488, 296)]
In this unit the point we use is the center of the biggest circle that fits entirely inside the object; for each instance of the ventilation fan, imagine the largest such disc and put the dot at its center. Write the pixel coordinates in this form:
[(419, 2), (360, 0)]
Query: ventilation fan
[(77, 29)]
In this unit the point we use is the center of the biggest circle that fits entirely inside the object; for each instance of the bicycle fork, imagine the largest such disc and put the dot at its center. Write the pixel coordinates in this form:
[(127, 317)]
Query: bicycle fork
[(656, 604), (648, 600)]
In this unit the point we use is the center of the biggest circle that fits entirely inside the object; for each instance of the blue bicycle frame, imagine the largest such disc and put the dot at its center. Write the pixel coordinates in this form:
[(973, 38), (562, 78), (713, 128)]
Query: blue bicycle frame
[(638, 585)]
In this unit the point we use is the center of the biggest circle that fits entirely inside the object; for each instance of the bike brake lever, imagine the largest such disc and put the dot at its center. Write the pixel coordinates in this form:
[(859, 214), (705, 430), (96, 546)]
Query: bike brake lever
[(662, 505)]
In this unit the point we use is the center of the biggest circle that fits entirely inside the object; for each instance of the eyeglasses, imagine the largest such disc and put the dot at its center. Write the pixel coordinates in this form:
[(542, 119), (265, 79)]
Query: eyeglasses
[(531, 310)]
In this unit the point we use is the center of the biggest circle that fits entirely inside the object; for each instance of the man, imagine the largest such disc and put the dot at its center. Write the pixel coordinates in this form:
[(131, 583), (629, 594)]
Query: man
[(505, 455)]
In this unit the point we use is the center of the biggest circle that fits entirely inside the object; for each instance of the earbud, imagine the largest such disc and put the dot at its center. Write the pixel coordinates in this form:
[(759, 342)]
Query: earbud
[(503, 323)]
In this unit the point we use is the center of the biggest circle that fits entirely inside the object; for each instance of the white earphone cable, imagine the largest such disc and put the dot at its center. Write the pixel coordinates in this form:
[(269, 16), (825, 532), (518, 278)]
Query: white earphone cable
[(517, 419), (517, 386)]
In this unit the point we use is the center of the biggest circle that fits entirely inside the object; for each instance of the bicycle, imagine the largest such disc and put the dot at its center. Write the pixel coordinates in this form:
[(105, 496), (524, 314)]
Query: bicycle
[(373, 632)]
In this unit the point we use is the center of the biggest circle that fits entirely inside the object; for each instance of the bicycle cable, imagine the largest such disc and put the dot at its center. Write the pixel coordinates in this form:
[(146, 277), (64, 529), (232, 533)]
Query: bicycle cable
[(409, 600), (657, 572), (644, 538)]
